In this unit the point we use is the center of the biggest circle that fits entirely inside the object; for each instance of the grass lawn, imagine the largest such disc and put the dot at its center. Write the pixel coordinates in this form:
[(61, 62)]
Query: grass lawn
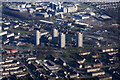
[(85, 6), (82, 6), (75, 28), (20, 31)]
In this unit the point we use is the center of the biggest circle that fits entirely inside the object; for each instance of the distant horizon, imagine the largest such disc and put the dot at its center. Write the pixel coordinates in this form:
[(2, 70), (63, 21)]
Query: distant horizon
[(60, 0)]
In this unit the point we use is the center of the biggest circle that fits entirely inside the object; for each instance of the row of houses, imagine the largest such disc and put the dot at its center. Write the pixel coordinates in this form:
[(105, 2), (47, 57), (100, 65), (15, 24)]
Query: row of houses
[(58, 67), (12, 67)]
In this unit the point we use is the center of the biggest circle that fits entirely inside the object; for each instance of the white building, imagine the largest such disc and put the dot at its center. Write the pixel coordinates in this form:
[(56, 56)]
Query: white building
[(62, 40), (70, 8), (98, 73), (55, 33), (3, 33), (37, 37), (92, 13), (79, 40), (10, 35)]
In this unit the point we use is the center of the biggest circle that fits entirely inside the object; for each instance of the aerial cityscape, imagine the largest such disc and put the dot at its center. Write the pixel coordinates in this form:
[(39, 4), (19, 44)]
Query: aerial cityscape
[(60, 41)]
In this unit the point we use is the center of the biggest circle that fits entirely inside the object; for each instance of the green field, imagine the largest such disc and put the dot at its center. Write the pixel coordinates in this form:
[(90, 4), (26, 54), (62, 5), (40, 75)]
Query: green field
[(20, 31), (85, 6), (75, 28)]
